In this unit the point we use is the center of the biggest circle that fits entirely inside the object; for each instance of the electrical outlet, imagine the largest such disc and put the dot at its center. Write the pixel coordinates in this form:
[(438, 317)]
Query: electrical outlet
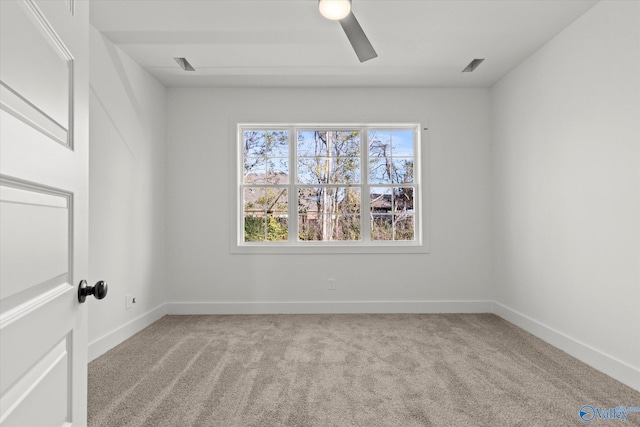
[(129, 301), (332, 284)]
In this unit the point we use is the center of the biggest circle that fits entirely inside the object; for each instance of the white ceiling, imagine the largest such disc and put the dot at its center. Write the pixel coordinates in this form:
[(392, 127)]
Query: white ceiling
[(286, 43)]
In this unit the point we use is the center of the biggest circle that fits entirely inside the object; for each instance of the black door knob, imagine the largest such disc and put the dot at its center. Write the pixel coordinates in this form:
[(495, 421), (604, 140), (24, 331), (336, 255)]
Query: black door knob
[(99, 290)]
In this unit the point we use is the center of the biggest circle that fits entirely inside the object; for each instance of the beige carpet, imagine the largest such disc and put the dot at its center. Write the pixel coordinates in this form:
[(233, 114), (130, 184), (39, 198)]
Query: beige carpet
[(345, 370)]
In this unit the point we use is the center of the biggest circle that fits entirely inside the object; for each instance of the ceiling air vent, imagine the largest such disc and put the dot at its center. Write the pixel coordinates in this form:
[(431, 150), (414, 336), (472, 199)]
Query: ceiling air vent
[(473, 65), (184, 64)]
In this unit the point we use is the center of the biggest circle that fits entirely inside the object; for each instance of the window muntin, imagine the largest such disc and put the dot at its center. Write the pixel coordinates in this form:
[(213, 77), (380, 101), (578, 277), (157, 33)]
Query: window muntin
[(329, 185)]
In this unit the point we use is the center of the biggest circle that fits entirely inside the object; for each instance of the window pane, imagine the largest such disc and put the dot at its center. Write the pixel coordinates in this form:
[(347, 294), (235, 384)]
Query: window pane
[(254, 201), (390, 171), (402, 143), (345, 227), (277, 143), (312, 144), (403, 199), (380, 199), (254, 143), (403, 227), (379, 143), (266, 143), (311, 227), (269, 143), (380, 171), (402, 171), (277, 171), (255, 169), (344, 143), (381, 227), (276, 200), (311, 201), (313, 170), (345, 170), (277, 228), (345, 200), (254, 228)]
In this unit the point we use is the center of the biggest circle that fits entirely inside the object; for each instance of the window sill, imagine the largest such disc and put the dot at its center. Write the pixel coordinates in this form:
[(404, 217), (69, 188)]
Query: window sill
[(303, 249)]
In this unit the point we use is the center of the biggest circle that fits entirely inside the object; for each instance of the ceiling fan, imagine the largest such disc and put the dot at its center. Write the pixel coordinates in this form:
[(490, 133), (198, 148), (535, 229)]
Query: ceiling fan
[(340, 10)]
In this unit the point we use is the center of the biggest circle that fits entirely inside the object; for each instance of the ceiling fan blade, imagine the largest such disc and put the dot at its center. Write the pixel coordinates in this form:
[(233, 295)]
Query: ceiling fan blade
[(358, 38)]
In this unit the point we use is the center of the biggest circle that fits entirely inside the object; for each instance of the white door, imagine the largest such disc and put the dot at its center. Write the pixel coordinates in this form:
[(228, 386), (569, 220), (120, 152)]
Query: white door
[(43, 211)]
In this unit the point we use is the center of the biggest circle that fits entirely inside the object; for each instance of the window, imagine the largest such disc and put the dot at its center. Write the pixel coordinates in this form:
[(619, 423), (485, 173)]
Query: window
[(328, 186)]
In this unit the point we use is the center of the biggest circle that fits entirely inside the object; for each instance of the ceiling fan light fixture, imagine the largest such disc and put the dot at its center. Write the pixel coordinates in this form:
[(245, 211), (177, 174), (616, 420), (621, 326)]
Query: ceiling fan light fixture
[(334, 10)]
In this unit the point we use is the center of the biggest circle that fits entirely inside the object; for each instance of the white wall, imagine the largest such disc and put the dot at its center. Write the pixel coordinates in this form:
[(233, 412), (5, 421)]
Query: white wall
[(201, 269), (127, 194), (566, 181)]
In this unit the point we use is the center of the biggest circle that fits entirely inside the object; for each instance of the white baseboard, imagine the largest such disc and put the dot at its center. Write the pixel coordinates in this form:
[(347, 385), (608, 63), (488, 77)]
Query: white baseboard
[(597, 359), (329, 307), (106, 342)]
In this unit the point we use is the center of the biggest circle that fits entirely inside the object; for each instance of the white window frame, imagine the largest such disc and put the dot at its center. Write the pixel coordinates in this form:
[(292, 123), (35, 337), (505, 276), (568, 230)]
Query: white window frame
[(293, 246)]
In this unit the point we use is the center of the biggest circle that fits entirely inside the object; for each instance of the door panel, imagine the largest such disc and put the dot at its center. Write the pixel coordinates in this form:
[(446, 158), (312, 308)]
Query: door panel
[(37, 70), (46, 382), (20, 354), (43, 211), (35, 239)]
